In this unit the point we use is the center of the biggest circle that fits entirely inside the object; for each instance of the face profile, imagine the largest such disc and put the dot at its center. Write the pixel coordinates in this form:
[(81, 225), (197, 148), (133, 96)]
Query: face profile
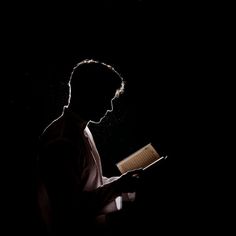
[(93, 87)]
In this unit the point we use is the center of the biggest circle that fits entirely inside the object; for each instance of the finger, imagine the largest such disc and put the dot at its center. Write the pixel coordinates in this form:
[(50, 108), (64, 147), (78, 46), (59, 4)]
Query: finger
[(137, 176)]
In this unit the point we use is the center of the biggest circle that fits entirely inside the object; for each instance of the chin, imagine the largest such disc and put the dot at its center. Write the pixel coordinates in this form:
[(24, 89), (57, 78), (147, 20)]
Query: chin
[(97, 121)]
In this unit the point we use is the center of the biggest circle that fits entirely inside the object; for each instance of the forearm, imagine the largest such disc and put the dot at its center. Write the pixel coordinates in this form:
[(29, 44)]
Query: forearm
[(107, 192)]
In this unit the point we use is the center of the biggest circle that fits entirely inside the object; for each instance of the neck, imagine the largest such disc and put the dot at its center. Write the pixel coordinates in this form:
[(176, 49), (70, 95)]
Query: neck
[(76, 116)]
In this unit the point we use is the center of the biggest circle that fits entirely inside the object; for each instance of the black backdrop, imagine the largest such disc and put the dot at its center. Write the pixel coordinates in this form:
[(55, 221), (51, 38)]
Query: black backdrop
[(166, 54)]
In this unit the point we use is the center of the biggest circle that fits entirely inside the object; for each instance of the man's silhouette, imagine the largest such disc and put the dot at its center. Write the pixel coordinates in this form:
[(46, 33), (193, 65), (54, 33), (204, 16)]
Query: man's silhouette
[(73, 193)]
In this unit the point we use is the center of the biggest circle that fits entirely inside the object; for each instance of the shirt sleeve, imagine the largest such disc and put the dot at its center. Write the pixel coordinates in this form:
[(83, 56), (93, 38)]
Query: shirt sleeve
[(61, 168)]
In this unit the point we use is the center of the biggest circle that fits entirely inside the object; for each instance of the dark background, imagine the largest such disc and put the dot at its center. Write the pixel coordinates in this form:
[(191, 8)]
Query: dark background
[(169, 56)]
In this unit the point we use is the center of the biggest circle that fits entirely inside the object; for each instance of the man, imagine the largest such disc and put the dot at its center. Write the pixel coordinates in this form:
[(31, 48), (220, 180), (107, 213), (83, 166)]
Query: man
[(77, 194)]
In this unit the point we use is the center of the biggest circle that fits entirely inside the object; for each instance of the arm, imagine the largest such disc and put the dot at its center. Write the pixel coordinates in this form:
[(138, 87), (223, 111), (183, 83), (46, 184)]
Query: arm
[(62, 168)]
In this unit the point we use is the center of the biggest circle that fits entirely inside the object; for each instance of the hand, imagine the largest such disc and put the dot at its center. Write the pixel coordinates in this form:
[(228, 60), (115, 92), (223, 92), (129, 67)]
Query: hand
[(129, 181)]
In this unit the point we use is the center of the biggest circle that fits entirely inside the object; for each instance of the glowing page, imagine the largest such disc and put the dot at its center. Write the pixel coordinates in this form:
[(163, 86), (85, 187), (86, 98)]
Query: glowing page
[(143, 158)]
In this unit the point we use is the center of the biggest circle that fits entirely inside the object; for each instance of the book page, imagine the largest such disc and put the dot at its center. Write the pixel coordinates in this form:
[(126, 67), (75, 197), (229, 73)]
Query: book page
[(143, 158)]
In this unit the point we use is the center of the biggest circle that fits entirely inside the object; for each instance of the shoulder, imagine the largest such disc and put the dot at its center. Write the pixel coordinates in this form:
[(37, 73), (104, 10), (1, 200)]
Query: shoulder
[(59, 146)]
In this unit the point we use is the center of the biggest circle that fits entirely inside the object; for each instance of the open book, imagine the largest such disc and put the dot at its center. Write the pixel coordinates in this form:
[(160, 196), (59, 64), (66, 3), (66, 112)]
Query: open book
[(142, 158)]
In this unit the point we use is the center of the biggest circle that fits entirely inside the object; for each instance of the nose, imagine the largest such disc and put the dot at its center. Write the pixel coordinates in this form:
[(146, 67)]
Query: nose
[(110, 107)]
